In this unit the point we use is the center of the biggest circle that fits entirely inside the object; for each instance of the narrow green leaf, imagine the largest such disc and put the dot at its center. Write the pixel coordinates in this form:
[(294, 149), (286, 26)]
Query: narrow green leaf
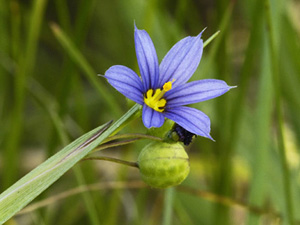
[(41, 177), (31, 185)]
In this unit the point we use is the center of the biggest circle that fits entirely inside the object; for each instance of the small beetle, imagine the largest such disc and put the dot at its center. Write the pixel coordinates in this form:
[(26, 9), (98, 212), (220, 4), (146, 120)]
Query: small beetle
[(183, 135)]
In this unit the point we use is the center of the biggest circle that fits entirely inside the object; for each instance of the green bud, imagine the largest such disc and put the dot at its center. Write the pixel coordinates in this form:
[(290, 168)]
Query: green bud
[(163, 164)]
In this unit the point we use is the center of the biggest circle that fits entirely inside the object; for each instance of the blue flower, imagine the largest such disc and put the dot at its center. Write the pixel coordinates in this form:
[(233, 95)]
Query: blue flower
[(162, 89)]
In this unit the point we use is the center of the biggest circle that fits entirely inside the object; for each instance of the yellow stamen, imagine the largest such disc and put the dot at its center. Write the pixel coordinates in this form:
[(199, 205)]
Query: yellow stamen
[(154, 99), (168, 86)]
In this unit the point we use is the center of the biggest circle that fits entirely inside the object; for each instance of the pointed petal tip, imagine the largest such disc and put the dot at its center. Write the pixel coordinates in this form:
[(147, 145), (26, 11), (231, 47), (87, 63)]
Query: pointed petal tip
[(203, 31), (200, 34), (211, 138), (135, 28), (100, 75), (126, 81)]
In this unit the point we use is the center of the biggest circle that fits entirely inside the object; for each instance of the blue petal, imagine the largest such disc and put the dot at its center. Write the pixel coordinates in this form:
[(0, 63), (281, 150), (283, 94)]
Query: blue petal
[(190, 119), (181, 61), (196, 91), (126, 81), (152, 118), (147, 59)]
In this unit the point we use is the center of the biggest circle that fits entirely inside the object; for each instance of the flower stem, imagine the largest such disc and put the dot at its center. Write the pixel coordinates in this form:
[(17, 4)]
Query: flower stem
[(133, 138), (168, 206), (137, 136), (110, 159)]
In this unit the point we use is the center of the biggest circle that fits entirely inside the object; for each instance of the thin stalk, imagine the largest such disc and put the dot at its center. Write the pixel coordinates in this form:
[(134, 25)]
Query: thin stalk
[(78, 190), (115, 144), (138, 136), (279, 115), (168, 206), (110, 159), (135, 137)]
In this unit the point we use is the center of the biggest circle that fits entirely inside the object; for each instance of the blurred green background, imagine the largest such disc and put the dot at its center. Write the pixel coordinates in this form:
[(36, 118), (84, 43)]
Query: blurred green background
[(50, 55)]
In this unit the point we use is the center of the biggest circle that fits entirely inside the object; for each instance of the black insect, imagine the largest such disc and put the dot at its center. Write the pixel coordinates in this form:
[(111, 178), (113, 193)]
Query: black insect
[(184, 135)]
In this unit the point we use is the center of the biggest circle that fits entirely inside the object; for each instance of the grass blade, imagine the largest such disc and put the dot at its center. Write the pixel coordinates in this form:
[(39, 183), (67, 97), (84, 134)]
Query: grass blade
[(278, 107), (79, 59), (31, 185), (26, 65)]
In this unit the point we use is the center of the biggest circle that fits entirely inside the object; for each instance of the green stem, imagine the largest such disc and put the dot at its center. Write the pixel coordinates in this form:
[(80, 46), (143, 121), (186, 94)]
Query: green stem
[(110, 159), (137, 136), (168, 206), (134, 138), (115, 144), (278, 108), (106, 185)]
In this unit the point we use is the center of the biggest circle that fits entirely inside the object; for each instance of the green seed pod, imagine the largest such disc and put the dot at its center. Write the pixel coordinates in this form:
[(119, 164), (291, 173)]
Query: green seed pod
[(163, 164)]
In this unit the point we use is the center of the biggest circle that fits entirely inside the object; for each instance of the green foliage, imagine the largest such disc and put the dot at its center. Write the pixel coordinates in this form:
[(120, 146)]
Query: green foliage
[(31, 185), (50, 55)]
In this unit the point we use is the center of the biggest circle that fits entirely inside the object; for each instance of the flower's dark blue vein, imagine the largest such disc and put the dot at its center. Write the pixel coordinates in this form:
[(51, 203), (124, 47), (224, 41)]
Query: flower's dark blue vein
[(151, 82), (188, 52), (169, 64), (123, 82), (190, 98), (145, 78)]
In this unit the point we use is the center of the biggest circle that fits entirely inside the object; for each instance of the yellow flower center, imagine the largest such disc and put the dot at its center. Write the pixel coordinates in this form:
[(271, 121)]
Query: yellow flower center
[(154, 99)]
